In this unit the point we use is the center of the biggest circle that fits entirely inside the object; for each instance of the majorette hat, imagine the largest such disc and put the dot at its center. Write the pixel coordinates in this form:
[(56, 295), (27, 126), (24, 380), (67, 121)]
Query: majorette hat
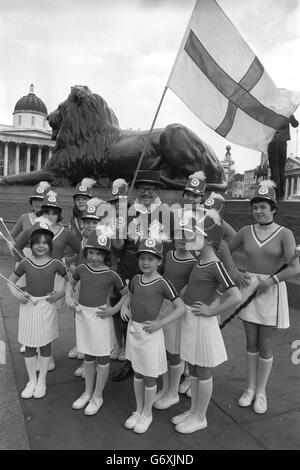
[(212, 226), (40, 190), (84, 188), (150, 245), (214, 201), (149, 177), (190, 225), (266, 190), (119, 189), (92, 206), (99, 241), (51, 200), (196, 183), (41, 225)]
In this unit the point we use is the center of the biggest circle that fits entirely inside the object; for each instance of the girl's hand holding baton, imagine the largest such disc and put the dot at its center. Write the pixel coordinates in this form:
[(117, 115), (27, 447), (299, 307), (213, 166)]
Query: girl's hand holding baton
[(21, 295)]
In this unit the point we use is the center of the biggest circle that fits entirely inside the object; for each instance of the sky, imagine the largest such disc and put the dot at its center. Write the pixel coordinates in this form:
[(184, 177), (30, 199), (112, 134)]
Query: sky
[(124, 50)]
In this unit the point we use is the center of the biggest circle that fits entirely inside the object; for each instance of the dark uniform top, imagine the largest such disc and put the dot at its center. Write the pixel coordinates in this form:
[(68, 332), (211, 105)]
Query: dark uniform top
[(148, 297), (177, 271), (204, 281), (95, 285), (40, 279)]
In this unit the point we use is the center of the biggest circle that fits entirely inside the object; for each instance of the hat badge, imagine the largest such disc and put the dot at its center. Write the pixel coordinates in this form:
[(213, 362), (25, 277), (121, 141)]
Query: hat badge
[(115, 190), (102, 240), (40, 189), (150, 243), (194, 182), (82, 187), (263, 190), (184, 221), (52, 199), (209, 201), (91, 209)]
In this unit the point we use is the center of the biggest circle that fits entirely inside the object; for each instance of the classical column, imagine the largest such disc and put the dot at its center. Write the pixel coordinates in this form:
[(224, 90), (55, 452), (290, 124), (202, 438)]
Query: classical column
[(17, 159), (49, 153), (286, 188), (5, 158), (292, 185), (39, 162), (28, 155), (298, 185)]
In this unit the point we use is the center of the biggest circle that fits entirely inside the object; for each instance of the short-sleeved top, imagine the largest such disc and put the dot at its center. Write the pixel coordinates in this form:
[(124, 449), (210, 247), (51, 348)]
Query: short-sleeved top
[(177, 270), (147, 298), (24, 223), (40, 279), (263, 256), (95, 285), (204, 281)]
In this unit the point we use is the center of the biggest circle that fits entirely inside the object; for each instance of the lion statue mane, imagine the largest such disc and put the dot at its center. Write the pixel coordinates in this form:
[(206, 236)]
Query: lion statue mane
[(90, 143)]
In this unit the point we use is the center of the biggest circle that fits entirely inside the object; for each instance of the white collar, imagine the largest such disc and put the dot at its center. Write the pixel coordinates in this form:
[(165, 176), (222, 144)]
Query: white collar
[(139, 207)]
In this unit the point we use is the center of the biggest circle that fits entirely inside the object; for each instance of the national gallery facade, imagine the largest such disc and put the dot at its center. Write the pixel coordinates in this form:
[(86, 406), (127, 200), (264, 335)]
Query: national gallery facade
[(27, 144)]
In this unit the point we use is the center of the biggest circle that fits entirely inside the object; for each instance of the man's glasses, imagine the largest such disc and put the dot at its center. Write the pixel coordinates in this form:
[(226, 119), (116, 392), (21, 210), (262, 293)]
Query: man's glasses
[(149, 190)]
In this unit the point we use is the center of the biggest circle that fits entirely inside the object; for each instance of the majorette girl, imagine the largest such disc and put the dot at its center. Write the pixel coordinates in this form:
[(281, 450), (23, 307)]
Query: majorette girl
[(178, 266), (145, 346), (93, 335), (267, 246), (201, 343), (38, 313)]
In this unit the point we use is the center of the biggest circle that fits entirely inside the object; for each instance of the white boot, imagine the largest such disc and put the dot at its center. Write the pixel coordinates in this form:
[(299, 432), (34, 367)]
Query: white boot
[(171, 397), (97, 399), (30, 363), (41, 388), (89, 377), (165, 387)]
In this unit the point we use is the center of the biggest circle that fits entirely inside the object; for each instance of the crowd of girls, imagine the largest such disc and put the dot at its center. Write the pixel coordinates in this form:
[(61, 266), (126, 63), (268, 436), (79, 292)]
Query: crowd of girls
[(172, 294)]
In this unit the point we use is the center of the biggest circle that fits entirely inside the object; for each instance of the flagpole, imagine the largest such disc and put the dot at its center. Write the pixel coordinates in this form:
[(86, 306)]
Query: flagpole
[(146, 143), (160, 103)]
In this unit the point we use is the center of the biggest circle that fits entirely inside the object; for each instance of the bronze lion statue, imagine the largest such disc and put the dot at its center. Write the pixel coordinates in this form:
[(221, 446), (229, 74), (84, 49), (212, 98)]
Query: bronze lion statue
[(90, 143)]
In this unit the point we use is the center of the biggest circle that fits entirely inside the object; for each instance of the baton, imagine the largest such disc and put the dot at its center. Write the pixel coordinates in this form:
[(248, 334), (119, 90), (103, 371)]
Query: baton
[(11, 244), (5, 226), (16, 287), (251, 297)]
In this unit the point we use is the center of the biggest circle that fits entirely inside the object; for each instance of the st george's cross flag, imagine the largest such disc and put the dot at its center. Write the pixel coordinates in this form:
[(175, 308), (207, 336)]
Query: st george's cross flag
[(221, 80)]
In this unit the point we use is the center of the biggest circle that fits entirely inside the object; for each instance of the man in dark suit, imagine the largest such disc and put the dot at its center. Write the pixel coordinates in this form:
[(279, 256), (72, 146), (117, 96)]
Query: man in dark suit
[(277, 155)]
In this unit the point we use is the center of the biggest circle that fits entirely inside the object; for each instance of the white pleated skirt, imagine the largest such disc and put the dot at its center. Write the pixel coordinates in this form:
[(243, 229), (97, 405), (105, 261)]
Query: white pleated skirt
[(146, 351), (201, 341), (38, 324), (270, 308), (172, 330), (93, 334)]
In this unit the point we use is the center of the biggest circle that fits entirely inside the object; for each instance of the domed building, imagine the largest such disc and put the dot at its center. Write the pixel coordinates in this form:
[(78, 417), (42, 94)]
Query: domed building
[(26, 145)]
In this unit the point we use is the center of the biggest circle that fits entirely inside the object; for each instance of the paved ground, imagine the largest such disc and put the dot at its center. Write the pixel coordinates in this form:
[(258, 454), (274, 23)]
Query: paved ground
[(51, 423)]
